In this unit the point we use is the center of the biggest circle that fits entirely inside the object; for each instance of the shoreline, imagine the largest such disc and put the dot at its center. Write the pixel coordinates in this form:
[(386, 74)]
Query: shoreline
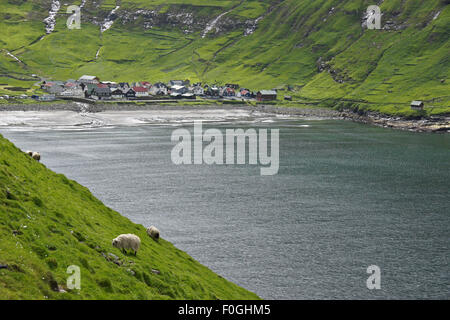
[(431, 124)]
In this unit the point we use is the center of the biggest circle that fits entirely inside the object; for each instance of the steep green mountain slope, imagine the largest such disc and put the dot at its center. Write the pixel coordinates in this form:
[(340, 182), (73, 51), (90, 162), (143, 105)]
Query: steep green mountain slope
[(48, 223), (317, 47)]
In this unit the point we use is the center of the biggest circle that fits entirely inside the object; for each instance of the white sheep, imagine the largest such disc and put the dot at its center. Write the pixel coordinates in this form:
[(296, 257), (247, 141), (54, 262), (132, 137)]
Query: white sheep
[(153, 232), (36, 156), (127, 241)]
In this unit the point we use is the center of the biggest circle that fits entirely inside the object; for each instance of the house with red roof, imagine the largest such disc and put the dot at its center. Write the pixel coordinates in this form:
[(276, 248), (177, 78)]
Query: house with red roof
[(141, 91), (245, 93), (228, 92)]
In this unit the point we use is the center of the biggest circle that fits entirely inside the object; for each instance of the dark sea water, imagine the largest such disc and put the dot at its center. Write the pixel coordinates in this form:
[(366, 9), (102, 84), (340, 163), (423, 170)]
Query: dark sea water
[(347, 196)]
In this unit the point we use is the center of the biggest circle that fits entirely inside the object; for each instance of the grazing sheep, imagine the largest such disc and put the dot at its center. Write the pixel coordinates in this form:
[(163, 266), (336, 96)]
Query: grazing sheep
[(36, 156), (127, 241), (153, 232)]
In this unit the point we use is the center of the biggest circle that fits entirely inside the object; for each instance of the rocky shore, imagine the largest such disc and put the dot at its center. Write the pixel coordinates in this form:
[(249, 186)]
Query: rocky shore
[(430, 124)]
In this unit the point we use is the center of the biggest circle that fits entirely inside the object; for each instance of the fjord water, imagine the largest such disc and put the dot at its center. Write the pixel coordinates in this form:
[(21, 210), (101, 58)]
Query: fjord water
[(347, 196)]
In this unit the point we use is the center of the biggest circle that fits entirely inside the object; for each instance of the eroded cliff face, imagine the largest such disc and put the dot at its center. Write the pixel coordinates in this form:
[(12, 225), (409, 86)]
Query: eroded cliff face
[(208, 20), (184, 19), (187, 19)]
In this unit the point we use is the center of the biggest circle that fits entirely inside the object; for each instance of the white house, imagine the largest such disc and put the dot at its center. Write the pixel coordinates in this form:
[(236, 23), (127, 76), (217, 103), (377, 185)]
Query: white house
[(179, 89), (198, 91), (141, 91), (158, 89), (72, 92), (89, 79)]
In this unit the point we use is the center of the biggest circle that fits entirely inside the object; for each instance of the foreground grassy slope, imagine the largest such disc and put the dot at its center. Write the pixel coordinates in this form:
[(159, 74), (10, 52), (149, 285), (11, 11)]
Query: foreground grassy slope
[(48, 223), (317, 47)]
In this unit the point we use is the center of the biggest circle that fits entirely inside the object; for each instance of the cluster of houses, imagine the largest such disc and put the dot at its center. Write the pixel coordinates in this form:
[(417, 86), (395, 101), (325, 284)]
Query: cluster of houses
[(92, 88)]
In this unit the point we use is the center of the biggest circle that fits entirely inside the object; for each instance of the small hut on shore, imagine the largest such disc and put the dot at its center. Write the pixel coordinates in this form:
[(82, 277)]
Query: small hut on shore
[(266, 95), (417, 105)]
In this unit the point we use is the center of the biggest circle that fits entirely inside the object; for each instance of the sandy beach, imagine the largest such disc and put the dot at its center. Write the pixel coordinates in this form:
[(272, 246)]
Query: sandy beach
[(82, 114)]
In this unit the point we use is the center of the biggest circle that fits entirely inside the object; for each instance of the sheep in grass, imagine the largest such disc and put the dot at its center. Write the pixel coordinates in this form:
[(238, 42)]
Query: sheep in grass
[(127, 241), (36, 156), (153, 232)]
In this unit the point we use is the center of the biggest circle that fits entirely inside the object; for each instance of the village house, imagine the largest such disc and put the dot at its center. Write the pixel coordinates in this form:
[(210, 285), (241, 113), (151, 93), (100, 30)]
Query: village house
[(89, 79), (215, 91), (117, 94), (72, 92), (158, 89), (69, 84), (232, 85), (245, 93), (417, 105), (178, 89), (141, 91), (124, 85), (228, 92), (130, 94), (45, 85), (55, 88), (56, 82), (109, 83), (184, 83), (145, 84), (212, 91), (88, 89), (101, 92), (198, 90), (266, 95)]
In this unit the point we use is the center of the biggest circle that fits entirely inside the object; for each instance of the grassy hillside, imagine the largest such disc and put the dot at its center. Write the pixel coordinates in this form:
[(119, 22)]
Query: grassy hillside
[(48, 223), (317, 47)]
